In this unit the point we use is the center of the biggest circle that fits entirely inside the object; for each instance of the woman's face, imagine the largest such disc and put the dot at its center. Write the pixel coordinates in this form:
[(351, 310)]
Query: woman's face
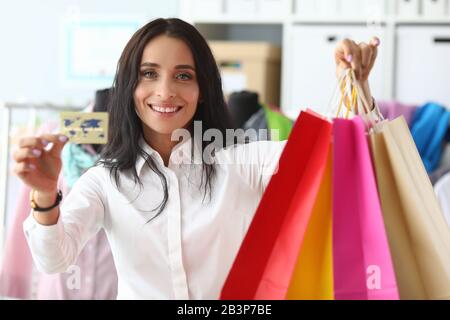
[(167, 93)]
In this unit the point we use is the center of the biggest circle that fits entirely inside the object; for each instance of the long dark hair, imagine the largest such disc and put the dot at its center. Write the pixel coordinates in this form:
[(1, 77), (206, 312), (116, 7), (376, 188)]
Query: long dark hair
[(125, 128)]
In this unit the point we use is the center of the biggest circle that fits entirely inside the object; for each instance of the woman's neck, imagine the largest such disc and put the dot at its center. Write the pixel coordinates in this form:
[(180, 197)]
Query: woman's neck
[(162, 143)]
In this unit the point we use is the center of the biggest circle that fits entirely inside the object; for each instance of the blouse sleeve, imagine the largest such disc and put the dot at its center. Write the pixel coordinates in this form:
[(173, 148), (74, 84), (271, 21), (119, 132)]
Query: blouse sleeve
[(54, 248), (255, 162)]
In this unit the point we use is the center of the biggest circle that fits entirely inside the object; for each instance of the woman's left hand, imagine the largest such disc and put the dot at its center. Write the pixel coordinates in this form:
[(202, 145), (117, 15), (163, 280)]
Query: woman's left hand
[(359, 57)]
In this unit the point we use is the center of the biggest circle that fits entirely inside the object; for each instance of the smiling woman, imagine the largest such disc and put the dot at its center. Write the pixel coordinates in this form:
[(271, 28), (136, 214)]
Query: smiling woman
[(158, 89), (174, 224)]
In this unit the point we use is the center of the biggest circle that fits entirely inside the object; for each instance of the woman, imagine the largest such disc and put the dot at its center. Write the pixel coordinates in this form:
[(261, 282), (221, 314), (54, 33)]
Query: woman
[(174, 223)]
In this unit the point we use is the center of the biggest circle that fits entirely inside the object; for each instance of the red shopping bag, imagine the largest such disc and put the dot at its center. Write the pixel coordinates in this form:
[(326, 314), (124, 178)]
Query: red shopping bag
[(267, 257)]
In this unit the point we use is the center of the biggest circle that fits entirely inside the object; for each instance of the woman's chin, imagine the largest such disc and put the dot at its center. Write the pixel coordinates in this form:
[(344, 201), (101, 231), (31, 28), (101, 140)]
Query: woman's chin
[(164, 130)]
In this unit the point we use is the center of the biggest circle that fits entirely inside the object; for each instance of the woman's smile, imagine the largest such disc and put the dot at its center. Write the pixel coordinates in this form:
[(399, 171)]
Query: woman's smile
[(164, 109)]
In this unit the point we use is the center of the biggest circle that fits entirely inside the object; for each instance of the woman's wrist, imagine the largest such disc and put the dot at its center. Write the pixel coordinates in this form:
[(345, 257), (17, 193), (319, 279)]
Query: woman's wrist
[(45, 199)]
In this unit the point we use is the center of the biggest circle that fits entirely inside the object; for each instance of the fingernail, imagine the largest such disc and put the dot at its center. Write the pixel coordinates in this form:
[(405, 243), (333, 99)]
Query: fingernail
[(62, 138), (37, 152), (32, 166), (349, 58), (44, 142), (376, 42)]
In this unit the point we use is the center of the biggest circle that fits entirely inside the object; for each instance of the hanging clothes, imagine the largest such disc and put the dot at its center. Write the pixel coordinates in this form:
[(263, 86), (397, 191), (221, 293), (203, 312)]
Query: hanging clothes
[(429, 129), (16, 276), (267, 119), (278, 121), (17, 266), (248, 113), (258, 122), (242, 105), (76, 160), (98, 276), (393, 109), (439, 173)]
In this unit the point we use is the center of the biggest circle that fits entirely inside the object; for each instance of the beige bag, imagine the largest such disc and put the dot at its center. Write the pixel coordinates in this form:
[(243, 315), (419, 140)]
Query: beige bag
[(419, 237)]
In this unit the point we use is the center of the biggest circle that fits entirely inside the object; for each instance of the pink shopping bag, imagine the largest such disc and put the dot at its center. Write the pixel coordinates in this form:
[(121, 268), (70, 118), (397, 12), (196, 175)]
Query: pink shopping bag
[(362, 264)]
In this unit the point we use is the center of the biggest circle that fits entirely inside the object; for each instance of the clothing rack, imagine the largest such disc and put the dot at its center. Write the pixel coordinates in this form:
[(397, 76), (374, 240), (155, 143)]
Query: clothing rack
[(5, 125)]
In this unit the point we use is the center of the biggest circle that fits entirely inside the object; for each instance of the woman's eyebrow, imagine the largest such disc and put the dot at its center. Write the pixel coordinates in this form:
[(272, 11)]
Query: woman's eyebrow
[(150, 64), (185, 66), (155, 65)]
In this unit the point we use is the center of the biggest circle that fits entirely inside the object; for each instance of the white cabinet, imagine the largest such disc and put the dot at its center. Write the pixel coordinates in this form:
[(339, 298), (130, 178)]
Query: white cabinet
[(257, 8), (270, 8), (316, 8), (368, 8), (411, 68), (434, 8), (240, 7), (211, 9), (340, 8), (205, 8), (408, 8), (311, 77), (423, 64)]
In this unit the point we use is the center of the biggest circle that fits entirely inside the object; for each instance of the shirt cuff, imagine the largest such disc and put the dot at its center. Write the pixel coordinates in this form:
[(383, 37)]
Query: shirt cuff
[(33, 228)]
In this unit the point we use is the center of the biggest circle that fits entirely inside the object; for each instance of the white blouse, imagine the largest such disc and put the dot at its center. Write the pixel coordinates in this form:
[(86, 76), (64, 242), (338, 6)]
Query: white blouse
[(185, 252)]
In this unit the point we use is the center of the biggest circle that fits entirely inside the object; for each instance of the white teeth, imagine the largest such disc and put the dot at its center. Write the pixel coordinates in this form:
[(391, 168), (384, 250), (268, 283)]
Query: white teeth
[(164, 110)]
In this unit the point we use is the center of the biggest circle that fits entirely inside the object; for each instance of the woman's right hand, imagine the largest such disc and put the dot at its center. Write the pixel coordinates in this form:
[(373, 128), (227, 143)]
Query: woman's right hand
[(39, 168)]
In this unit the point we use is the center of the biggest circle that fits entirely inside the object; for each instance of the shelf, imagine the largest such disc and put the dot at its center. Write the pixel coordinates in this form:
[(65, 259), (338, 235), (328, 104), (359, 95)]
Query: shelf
[(321, 20), (224, 19), (444, 20), (334, 20)]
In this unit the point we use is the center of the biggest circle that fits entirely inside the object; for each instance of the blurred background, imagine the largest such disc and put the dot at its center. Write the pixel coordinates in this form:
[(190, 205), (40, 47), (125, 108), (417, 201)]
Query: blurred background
[(275, 56)]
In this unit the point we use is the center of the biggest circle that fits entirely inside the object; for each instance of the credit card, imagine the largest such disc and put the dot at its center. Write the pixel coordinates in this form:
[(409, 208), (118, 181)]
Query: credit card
[(85, 127)]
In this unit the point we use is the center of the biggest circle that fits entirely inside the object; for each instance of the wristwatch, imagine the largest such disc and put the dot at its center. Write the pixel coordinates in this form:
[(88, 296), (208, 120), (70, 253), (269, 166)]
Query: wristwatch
[(35, 206)]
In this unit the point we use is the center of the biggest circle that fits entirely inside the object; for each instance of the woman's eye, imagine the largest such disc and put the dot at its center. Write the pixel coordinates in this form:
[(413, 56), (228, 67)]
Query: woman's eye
[(149, 74), (184, 76)]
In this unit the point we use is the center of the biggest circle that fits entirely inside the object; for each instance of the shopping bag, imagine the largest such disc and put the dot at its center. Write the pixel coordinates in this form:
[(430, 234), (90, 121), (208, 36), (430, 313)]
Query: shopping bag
[(313, 274), (418, 235), (362, 262), (264, 264)]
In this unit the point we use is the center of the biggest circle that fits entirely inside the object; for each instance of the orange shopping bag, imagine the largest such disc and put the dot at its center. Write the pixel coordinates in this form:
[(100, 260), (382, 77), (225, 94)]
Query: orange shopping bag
[(313, 275)]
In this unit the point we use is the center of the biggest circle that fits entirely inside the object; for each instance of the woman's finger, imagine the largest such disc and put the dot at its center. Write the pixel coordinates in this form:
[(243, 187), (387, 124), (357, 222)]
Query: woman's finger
[(348, 55), (343, 54), (374, 43), (23, 168), (357, 59), (58, 141), (366, 60), (24, 154), (32, 142)]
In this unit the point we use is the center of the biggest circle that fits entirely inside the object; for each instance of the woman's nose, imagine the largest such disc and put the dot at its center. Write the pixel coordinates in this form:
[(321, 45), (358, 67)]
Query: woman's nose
[(165, 90)]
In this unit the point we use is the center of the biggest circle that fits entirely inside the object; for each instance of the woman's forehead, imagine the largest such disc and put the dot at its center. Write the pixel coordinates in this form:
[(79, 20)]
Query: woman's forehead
[(167, 51)]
